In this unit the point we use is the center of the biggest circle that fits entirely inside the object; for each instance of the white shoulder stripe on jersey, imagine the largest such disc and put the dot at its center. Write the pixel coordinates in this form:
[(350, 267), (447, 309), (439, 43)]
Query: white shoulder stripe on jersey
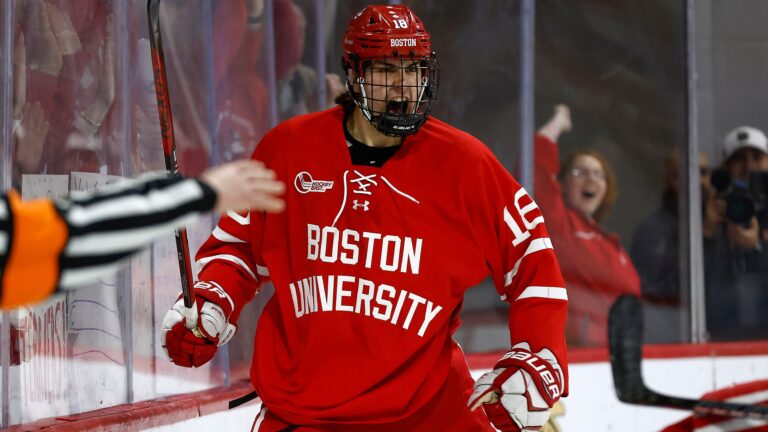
[(156, 202), (535, 245), (231, 258), (221, 235), (104, 243), (555, 293), (262, 271), (241, 220)]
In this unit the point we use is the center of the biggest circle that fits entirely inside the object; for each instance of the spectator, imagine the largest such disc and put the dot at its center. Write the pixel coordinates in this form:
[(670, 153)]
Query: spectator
[(574, 198), (655, 252), (241, 95), (762, 220), (242, 114), (71, 73), (297, 82), (735, 259), (29, 126)]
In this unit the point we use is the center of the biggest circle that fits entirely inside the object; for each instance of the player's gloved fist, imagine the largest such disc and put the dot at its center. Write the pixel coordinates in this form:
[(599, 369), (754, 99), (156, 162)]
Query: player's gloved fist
[(190, 337), (518, 393)]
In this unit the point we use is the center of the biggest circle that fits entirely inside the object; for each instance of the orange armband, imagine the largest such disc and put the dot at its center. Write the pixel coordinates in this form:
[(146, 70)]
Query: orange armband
[(37, 239)]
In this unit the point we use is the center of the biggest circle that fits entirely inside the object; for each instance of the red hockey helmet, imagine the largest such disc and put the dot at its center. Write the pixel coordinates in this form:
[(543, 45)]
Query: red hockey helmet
[(391, 34), (381, 31)]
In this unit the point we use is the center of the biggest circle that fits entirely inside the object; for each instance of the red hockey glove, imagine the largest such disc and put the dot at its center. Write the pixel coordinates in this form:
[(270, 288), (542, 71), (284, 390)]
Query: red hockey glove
[(518, 393), (193, 342)]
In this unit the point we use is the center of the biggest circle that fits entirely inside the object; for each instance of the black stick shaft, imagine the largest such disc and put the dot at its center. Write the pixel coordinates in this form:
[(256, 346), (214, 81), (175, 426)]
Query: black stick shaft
[(169, 142), (625, 337)]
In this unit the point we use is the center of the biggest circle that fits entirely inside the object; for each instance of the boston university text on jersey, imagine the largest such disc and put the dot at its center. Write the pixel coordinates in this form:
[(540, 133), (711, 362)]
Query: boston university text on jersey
[(345, 293), (393, 253)]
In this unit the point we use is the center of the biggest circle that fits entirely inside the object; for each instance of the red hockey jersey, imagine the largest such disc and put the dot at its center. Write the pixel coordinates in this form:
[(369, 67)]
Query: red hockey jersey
[(370, 266), (596, 268)]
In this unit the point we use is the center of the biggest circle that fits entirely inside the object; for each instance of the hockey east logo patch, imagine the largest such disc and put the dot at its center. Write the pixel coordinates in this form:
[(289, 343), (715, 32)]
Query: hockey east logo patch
[(305, 184)]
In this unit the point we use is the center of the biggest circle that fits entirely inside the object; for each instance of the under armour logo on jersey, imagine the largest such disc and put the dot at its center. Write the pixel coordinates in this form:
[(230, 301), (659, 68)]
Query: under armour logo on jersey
[(363, 182), (304, 183), (356, 205), (362, 185)]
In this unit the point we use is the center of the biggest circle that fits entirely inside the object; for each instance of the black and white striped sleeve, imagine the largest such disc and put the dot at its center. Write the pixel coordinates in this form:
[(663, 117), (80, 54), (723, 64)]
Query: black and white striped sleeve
[(121, 219)]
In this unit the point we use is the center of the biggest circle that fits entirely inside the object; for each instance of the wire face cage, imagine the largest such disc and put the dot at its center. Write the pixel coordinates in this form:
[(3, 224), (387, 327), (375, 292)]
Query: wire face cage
[(396, 93)]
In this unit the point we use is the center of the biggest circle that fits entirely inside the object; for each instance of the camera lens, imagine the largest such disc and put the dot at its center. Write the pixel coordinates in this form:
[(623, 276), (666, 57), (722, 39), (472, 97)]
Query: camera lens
[(740, 207), (721, 180)]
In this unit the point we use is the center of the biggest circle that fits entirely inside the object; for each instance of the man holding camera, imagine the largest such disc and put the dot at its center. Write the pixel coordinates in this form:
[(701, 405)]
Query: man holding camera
[(735, 245)]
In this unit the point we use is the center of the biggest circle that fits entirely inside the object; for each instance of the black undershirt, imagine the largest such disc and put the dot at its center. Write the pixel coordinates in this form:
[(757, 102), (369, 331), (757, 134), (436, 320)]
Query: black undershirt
[(362, 154)]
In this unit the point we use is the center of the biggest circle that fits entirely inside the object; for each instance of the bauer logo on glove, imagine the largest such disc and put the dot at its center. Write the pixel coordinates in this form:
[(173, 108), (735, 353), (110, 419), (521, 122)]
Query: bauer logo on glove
[(518, 393), (538, 365)]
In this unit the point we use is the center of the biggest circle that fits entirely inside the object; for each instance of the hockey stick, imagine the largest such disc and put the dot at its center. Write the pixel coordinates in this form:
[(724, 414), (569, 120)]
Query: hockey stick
[(625, 337), (169, 149)]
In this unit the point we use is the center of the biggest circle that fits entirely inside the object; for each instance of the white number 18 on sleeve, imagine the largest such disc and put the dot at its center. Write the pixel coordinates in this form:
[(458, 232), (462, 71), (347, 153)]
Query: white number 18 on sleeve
[(520, 235)]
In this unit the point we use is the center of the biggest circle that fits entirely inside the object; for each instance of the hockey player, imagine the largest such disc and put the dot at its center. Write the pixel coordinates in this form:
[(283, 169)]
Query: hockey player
[(47, 245), (390, 217)]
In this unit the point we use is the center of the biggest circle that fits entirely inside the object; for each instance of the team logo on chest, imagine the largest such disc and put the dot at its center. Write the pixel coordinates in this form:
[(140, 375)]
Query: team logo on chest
[(356, 184), (363, 182), (305, 184), (360, 205), (360, 186)]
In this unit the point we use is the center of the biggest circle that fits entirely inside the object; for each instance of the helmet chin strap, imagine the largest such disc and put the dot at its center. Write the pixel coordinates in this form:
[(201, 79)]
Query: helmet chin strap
[(363, 106), (422, 88)]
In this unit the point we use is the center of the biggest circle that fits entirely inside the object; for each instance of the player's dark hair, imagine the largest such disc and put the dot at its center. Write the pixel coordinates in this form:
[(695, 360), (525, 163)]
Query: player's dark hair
[(346, 101)]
